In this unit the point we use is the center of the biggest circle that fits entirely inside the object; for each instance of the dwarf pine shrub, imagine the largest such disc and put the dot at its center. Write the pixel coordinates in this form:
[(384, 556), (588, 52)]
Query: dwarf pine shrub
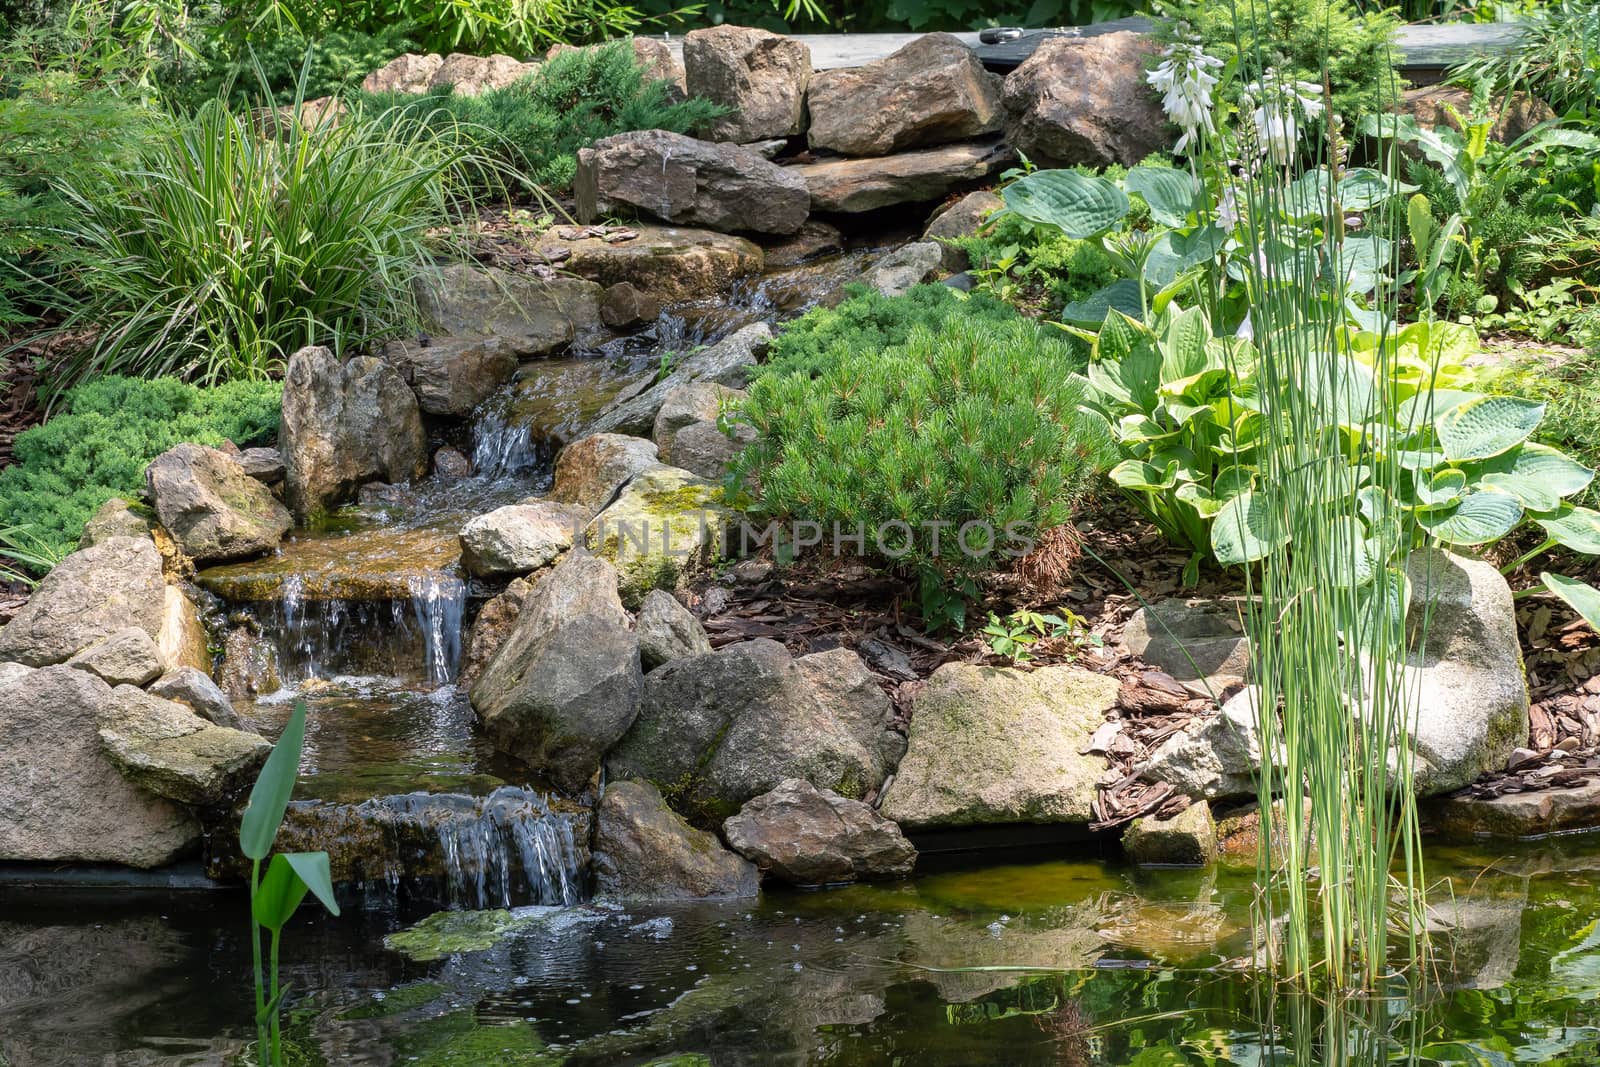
[(954, 448), (107, 432)]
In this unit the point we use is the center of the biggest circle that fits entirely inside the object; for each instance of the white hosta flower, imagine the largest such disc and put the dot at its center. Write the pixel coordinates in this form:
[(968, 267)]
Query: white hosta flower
[(1281, 105), (1228, 209), (1184, 80)]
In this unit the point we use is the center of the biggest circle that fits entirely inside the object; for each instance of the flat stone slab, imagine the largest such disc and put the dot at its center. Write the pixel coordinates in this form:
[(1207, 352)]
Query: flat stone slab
[(854, 185), (379, 564), (1518, 815)]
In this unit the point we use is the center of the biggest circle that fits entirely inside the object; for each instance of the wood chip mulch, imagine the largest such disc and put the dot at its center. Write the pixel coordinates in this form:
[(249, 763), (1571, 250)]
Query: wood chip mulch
[(813, 605)]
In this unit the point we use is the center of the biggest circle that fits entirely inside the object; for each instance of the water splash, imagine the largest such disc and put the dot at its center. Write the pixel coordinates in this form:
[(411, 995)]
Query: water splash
[(322, 638), (497, 851), (503, 445)]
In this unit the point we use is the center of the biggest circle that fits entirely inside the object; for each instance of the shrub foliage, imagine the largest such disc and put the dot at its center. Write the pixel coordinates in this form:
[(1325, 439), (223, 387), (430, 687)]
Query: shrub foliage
[(109, 430), (966, 419)]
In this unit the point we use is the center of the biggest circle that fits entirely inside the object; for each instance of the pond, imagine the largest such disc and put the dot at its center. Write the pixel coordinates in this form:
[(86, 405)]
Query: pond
[(1056, 962)]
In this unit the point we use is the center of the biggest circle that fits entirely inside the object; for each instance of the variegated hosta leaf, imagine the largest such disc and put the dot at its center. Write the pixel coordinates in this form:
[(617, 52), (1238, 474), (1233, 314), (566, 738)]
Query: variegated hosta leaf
[(1246, 529), (1477, 520), (1183, 346), (1353, 557), (1573, 527), (1419, 412), (1487, 426), (1145, 477), (1537, 475), (1440, 490), (1580, 596)]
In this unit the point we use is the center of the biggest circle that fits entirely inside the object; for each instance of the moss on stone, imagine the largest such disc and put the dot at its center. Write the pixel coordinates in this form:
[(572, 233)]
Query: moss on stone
[(460, 1040), (397, 1001), (446, 933)]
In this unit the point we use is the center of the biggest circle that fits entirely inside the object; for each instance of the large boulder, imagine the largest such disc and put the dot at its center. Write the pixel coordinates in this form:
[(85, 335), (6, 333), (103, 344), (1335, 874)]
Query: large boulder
[(532, 316), (127, 657), (489, 631), (693, 183), (727, 726), (684, 405), (174, 753), (62, 800), (920, 176), (1000, 745), (644, 851), (195, 690), (1448, 105), (663, 264), (452, 375), (896, 273), (92, 594), (565, 684), (1468, 678), (182, 639), (590, 470), (702, 448), (667, 631), (727, 363), (809, 836), (519, 538), (759, 76), (117, 518), (409, 73), (1085, 100), (960, 219), (212, 507), (1215, 756), (471, 75), (1193, 640), (930, 92), (1187, 839), (346, 424), (665, 526)]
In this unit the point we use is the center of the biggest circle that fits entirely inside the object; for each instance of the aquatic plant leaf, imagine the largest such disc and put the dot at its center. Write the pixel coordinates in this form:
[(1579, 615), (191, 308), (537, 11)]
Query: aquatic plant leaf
[(1580, 596), (314, 871), (269, 797), (1079, 205), (1476, 520), (1486, 426), (279, 894), (1169, 192)]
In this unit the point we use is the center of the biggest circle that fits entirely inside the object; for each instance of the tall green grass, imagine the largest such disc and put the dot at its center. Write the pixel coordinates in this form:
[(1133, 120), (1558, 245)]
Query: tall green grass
[(233, 238), (1340, 886)]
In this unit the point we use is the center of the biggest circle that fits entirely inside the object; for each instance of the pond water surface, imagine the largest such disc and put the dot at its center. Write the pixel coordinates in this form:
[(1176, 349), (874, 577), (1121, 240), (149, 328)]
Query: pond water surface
[(1054, 962)]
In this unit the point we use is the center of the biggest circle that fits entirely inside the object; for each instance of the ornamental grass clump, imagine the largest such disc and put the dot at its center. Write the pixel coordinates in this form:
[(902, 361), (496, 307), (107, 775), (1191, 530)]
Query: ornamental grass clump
[(953, 453), (232, 239)]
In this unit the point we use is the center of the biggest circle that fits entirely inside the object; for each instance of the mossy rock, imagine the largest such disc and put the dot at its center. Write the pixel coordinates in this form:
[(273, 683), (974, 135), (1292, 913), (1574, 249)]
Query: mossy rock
[(459, 1039), (665, 526), (398, 1001), (447, 933), (378, 564)]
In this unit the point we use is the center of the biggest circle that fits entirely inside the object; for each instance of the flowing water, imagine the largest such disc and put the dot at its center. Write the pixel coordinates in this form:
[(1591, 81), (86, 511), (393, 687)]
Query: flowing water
[(1052, 963)]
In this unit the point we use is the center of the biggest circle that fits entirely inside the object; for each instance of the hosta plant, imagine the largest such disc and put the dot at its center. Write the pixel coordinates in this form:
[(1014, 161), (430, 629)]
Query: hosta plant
[(1183, 408)]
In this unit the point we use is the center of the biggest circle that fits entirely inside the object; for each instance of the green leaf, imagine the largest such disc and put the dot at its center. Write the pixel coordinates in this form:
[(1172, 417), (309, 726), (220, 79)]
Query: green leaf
[(1122, 295), (1580, 596), (279, 894), (269, 797), (1354, 559), (1573, 527), (1079, 205), (1476, 520), (1486, 426), (1442, 489), (1125, 364), (1537, 475), (1169, 192), (1145, 477), (313, 869), (1183, 349), (1362, 188), (1245, 530)]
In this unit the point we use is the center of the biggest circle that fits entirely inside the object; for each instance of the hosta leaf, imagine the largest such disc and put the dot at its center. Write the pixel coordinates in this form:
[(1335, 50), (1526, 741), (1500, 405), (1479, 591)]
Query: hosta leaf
[(1145, 477), (1201, 499), (1486, 426), (1537, 475), (1245, 530), (1476, 520), (1082, 206), (1122, 295), (1575, 528), (1442, 489), (1170, 193), (1362, 188), (1125, 364), (1183, 345), (1139, 428), (1353, 559), (1416, 412), (1580, 596)]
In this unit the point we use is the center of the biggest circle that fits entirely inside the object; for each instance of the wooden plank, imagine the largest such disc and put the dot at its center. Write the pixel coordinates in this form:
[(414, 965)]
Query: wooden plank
[(1424, 50)]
